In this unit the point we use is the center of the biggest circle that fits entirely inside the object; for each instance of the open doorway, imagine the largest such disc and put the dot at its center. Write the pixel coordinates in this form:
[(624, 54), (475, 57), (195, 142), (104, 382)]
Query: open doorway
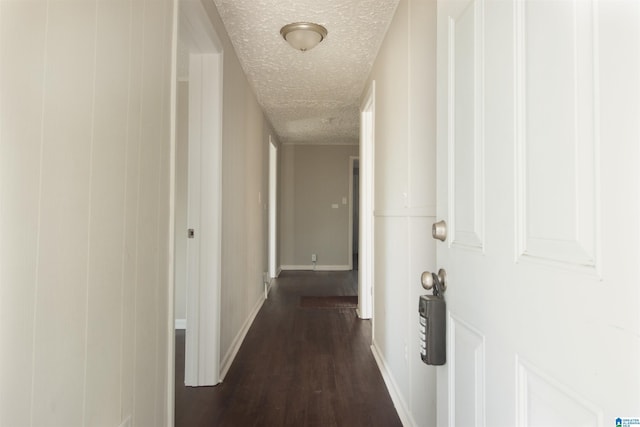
[(354, 211), (366, 199), (197, 196), (273, 210)]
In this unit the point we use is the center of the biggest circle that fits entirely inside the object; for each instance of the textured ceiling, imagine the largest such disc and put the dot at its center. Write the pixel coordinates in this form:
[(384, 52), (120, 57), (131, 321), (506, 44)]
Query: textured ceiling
[(313, 96)]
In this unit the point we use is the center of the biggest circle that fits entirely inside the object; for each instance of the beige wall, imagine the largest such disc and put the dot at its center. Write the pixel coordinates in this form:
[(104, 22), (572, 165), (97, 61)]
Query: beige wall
[(84, 196), (286, 204), (313, 178), (404, 74), (245, 159)]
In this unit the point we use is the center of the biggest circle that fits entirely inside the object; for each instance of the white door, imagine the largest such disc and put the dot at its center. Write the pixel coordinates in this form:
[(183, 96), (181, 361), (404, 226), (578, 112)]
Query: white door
[(538, 180), (204, 199), (204, 212)]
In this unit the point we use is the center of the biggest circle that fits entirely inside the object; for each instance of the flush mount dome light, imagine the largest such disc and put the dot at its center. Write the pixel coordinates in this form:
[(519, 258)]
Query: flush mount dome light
[(303, 35)]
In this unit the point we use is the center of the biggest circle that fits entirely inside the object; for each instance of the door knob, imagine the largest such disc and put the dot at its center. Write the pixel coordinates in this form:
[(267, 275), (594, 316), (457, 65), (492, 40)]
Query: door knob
[(439, 231), (438, 282)]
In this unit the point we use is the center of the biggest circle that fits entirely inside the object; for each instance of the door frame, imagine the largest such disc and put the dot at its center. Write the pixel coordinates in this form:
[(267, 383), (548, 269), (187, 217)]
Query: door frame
[(273, 209), (367, 184), (170, 331), (193, 27), (352, 163)]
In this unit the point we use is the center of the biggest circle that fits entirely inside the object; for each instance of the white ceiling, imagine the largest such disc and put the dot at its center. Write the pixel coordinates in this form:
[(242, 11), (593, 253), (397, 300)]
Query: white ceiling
[(309, 97)]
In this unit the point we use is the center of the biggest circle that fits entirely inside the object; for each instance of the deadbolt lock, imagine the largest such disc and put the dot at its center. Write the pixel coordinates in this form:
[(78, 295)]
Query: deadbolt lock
[(439, 231)]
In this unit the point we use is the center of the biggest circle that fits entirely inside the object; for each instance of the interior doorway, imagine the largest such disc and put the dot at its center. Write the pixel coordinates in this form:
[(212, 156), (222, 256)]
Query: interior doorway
[(354, 211), (366, 199), (197, 192), (273, 211)]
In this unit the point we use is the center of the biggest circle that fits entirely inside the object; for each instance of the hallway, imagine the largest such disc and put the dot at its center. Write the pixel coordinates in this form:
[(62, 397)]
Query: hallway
[(297, 366)]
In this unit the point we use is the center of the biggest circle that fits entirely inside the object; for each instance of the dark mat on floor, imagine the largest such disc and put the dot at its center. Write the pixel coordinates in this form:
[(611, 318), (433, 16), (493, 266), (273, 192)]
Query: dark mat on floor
[(338, 301)]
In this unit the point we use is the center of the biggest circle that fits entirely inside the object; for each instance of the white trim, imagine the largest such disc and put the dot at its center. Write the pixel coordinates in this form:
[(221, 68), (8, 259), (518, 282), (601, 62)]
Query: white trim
[(367, 203), (228, 358), (416, 212), (269, 286), (394, 391), (352, 160), (337, 143), (202, 340), (202, 343), (273, 208), (127, 422), (197, 29), (170, 332), (180, 324), (316, 268)]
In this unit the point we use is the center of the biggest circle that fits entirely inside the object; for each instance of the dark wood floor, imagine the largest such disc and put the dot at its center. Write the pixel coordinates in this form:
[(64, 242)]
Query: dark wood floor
[(296, 367)]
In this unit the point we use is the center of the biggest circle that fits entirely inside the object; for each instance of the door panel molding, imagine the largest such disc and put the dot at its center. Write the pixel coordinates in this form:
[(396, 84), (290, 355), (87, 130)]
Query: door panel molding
[(469, 398), (465, 125), (557, 124), (538, 394)]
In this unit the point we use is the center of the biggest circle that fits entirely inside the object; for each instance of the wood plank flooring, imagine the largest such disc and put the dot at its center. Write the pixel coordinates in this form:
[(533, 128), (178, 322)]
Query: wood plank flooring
[(297, 367)]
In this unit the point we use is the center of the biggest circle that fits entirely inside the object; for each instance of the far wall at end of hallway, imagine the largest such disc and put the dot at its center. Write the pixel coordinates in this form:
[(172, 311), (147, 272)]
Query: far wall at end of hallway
[(313, 180)]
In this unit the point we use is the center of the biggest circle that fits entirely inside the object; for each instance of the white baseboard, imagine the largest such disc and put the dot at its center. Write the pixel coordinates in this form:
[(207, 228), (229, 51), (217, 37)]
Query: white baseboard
[(278, 272), (316, 268), (228, 358), (126, 422), (399, 403), (359, 314), (267, 287), (181, 324)]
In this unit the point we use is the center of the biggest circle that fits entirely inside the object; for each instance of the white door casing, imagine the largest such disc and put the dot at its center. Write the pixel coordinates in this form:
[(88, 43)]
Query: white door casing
[(353, 192), (273, 208), (538, 180), (366, 243), (202, 339)]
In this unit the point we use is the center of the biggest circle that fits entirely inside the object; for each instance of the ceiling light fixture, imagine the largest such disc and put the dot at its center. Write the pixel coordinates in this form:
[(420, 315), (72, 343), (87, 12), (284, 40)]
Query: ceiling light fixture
[(303, 35)]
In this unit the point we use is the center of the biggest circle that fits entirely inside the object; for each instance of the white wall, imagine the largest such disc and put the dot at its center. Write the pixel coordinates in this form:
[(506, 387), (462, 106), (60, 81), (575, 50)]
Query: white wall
[(405, 195), (314, 178), (181, 193), (84, 218), (267, 131), (245, 157)]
